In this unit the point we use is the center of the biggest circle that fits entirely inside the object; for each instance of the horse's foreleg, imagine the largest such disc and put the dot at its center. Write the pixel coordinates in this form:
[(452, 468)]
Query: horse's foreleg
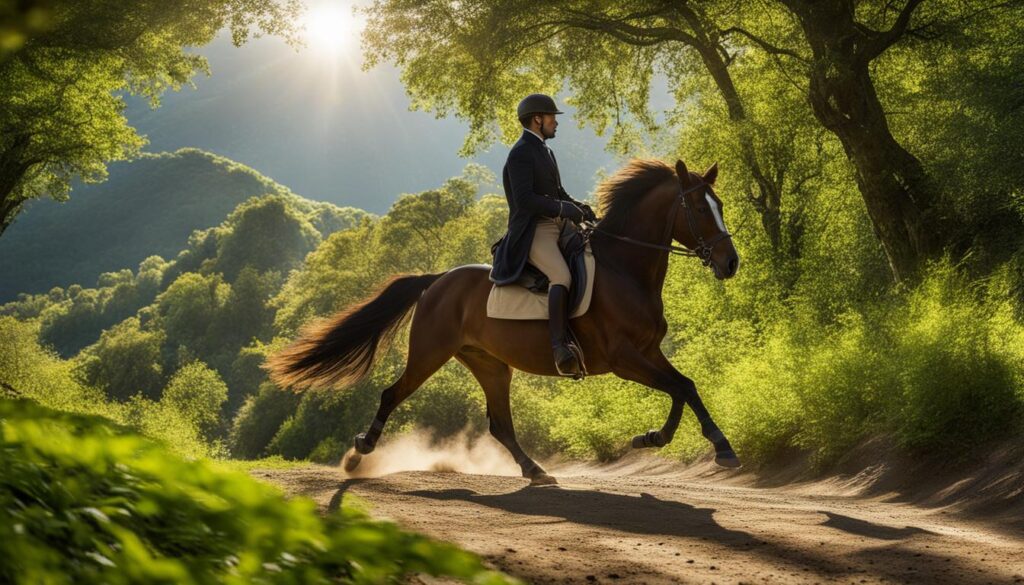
[(495, 377), (655, 371)]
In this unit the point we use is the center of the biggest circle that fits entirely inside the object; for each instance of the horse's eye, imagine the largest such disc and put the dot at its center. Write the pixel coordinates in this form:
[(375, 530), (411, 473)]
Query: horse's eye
[(702, 209)]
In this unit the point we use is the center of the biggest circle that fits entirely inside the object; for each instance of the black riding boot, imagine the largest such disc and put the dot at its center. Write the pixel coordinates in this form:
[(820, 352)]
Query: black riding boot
[(558, 313)]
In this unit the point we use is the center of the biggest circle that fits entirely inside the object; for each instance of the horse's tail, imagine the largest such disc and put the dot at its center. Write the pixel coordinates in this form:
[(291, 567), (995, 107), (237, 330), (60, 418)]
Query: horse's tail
[(340, 350)]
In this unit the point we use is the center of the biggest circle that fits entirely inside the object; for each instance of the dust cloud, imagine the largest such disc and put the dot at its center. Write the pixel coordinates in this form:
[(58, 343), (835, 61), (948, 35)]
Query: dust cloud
[(417, 451)]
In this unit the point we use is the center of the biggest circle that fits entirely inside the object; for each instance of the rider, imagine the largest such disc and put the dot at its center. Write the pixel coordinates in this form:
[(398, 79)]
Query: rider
[(538, 208)]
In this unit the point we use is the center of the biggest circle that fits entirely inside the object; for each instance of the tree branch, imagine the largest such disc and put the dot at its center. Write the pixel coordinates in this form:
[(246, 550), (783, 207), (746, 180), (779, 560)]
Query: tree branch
[(619, 28), (886, 39), (765, 45)]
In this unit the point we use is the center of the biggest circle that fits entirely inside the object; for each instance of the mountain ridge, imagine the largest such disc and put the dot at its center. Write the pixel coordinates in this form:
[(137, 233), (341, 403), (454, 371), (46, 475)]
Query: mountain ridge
[(148, 206)]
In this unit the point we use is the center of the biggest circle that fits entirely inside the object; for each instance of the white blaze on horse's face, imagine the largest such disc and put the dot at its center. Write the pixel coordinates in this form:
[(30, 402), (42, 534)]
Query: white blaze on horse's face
[(715, 211)]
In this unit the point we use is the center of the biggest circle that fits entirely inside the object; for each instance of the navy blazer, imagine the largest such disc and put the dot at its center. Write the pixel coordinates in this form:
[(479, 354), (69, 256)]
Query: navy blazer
[(532, 188)]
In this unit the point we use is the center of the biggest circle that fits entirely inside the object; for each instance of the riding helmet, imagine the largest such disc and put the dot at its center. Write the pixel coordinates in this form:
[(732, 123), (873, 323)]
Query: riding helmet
[(537, 103)]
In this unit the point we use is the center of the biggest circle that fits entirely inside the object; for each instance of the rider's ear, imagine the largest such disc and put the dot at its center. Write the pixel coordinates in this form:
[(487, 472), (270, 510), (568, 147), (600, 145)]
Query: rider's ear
[(681, 170), (711, 174)]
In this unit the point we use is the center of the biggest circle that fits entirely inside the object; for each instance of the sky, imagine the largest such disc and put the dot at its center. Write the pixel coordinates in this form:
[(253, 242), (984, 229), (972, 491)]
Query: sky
[(314, 121)]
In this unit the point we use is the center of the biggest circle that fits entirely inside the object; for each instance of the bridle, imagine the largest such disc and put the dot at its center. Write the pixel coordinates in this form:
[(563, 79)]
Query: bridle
[(702, 251)]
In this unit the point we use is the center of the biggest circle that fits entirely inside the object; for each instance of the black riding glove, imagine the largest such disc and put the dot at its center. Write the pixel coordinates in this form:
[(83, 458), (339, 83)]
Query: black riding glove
[(588, 213), (571, 212)]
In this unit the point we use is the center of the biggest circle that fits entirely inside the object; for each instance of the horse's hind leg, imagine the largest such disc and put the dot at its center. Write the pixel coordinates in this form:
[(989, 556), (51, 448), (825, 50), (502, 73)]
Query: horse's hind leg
[(495, 377), (433, 341)]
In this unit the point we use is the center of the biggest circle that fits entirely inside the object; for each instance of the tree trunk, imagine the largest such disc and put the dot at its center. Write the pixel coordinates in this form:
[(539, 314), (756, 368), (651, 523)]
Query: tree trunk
[(13, 167), (899, 197)]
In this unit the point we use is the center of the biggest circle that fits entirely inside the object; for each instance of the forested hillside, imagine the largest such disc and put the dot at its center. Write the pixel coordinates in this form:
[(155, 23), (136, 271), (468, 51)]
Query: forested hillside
[(197, 326), (147, 207)]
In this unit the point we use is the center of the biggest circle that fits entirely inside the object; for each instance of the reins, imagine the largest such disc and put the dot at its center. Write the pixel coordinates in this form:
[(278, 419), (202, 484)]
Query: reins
[(703, 249)]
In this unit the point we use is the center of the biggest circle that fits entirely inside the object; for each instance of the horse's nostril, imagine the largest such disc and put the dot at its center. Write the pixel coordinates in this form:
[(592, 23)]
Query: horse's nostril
[(733, 265)]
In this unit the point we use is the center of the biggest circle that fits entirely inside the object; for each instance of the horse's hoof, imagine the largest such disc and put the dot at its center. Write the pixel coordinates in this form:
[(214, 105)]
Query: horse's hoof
[(362, 446), (729, 460), (542, 479), (351, 460)]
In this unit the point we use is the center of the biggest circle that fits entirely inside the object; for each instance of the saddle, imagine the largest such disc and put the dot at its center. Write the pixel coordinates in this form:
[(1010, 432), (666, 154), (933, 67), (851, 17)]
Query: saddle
[(526, 298), (572, 245)]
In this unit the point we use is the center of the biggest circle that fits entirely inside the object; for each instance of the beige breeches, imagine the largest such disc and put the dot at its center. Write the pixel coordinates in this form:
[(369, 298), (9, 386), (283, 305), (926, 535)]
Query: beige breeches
[(544, 252)]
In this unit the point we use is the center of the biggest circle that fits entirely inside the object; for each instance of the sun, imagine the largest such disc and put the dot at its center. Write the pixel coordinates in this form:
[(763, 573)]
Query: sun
[(330, 27)]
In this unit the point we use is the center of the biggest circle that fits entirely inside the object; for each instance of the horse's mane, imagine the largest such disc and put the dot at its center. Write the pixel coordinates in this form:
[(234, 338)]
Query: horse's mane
[(618, 194)]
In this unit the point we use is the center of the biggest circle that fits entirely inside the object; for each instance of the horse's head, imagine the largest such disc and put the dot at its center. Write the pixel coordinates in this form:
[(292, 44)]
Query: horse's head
[(699, 223)]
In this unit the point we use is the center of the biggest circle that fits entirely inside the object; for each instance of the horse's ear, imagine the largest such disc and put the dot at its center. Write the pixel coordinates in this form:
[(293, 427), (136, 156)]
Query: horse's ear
[(681, 170), (711, 174)]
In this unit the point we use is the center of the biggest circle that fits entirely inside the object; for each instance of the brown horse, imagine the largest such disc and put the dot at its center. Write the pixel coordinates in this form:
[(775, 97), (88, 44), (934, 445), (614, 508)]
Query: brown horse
[(645, 206)]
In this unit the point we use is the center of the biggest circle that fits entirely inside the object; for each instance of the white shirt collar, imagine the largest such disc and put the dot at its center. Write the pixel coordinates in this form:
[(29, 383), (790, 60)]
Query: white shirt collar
[(537, 135)]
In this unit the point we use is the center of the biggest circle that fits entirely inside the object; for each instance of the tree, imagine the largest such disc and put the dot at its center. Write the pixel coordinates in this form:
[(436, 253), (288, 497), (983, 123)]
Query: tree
[(188, 309), (479, 58), (265, 233), (61, 90), (845, 39), (197, 392), (124, 362), (411, 234), (76, 320), (246, 315)]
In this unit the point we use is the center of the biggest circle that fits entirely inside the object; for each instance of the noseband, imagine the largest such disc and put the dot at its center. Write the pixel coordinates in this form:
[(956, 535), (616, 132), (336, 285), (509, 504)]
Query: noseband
[(702, 251)]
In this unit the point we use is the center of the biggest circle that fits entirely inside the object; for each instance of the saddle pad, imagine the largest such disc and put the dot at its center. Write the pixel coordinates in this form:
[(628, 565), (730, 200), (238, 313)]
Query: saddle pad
[(517, 302)]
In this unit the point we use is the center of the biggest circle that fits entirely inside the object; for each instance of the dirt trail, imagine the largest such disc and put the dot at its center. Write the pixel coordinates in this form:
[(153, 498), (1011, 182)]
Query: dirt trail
[(649, 521)]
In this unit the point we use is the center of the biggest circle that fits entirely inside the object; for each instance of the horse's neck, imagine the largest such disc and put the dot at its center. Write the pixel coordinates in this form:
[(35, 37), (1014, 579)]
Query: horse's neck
[(646, 267)]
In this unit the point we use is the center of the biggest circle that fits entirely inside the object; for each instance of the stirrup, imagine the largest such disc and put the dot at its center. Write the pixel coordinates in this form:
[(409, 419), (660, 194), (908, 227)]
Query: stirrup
[(577, 350), (569, 366)]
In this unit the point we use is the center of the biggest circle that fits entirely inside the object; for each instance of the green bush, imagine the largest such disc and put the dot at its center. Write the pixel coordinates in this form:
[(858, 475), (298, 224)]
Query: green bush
[(259, 420), (83, 502), (125, 361), (198, 393), (937, 368), (40, 375), (956, 372)]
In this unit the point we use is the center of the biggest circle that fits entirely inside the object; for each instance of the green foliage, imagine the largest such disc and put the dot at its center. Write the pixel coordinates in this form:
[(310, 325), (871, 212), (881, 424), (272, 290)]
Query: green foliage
[(197, 393), (188, 308), (125, 361), (246, 374), (19, 21), (259, 419), (957, 372), (74, 318), (595, 418), (61, 100), (246, 315), (936, 368), (265, 234), (81, 502), (35, 373)]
